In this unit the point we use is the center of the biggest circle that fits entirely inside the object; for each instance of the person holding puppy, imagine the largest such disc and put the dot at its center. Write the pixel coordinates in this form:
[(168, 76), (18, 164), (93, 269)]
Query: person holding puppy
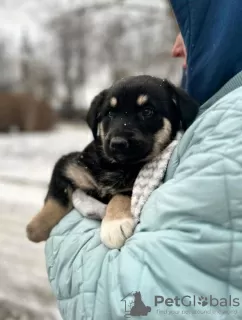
[(189, 239)]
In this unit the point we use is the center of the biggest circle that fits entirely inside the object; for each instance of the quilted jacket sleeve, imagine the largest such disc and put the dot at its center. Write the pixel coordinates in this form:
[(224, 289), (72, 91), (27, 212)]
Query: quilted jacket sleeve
[(188, 242)]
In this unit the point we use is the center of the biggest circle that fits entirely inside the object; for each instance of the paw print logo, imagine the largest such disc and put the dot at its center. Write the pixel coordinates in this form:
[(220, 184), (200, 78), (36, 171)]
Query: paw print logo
[(203, 301)]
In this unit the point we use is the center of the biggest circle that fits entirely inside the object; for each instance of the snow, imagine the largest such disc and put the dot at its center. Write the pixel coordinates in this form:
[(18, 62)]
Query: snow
[(30, 157), (26, 162)]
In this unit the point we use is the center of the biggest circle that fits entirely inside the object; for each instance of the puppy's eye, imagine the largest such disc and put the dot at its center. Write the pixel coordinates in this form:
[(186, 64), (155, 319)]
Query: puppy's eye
[(147, 112)]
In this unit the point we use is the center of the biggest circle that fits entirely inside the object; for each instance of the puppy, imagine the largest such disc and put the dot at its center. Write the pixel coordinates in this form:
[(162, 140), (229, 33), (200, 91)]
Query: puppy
[(132, 122)]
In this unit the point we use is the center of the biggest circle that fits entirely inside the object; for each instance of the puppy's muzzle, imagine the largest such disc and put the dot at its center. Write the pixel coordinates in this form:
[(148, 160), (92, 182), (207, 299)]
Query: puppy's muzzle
[(118, 144), (126, 146)]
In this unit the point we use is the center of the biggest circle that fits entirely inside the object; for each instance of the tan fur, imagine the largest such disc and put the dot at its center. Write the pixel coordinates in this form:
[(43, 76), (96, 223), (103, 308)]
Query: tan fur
[(118, 207), (161, 138), (81, 177), (40, 226), (25, 112), (118, 224), (142, 99), (113, 102)]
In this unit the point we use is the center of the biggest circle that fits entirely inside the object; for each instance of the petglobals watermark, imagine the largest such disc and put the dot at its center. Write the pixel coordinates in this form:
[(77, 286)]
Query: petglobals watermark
[(194, 301), (136, 304)]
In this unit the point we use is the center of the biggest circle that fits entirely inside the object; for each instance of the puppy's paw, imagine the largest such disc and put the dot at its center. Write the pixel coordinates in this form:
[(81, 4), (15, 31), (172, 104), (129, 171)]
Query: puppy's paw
[(37, 232), (114, 233)]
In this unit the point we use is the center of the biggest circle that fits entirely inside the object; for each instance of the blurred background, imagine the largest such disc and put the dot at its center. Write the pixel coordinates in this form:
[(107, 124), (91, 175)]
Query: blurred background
[(55, 55)]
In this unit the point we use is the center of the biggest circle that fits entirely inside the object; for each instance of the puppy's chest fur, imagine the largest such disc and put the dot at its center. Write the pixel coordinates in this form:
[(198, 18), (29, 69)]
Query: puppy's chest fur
[(110, 178)]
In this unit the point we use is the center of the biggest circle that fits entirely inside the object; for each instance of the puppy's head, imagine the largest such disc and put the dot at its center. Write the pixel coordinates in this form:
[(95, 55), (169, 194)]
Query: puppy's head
[(138, 116)]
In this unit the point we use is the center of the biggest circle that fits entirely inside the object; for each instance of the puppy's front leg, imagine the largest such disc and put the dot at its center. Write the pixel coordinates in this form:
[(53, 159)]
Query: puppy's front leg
[(117, 224)]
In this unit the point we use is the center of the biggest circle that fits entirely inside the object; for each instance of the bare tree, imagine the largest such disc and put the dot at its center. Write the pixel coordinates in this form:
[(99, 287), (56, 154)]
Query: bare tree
[(5, 72), (2, 57), (128, 38), (66, 55), (72, 47), (113, 47), (26, 54)]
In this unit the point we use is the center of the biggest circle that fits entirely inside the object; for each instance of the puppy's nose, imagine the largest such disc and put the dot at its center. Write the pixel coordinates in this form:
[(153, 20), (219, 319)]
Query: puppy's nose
[(118, 144)]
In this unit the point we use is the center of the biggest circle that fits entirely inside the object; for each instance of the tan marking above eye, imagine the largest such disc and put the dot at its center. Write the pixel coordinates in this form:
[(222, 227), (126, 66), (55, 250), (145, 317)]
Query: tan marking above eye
[(142, 99), (113, 102)]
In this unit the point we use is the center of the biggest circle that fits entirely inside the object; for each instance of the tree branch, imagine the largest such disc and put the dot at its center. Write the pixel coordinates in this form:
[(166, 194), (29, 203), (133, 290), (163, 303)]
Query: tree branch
[(148, 9)]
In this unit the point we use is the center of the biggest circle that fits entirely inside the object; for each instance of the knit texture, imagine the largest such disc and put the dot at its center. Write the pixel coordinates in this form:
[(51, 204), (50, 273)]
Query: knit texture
[(150, 177)]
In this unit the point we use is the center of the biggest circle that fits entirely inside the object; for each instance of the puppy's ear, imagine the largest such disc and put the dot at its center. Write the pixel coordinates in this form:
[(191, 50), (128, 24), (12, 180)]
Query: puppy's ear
[(186, 106), (93, 114)]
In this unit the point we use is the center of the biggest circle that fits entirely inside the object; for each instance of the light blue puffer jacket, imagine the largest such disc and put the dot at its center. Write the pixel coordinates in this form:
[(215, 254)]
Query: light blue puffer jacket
[(189, 241)]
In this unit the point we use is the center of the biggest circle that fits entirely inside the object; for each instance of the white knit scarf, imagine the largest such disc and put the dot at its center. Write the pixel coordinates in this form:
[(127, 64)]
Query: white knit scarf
[(150, 177)]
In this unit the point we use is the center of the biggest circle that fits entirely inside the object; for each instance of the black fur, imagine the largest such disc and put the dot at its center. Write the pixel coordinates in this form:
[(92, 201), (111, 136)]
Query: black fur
[(114, 158)]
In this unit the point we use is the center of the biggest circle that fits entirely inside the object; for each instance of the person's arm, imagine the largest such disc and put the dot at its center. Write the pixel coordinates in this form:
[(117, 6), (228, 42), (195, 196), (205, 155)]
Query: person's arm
[(186, 243)]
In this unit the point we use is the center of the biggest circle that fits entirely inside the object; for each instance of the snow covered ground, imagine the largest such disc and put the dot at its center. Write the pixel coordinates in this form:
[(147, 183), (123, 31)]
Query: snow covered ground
[(26, 162)]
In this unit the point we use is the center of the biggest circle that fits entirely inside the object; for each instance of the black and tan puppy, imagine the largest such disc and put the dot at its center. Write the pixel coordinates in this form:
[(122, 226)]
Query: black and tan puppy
[(132, 122)]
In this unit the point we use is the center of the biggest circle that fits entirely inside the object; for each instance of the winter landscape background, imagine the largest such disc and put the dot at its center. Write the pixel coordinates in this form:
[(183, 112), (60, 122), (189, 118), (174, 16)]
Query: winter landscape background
[(63, 52)]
